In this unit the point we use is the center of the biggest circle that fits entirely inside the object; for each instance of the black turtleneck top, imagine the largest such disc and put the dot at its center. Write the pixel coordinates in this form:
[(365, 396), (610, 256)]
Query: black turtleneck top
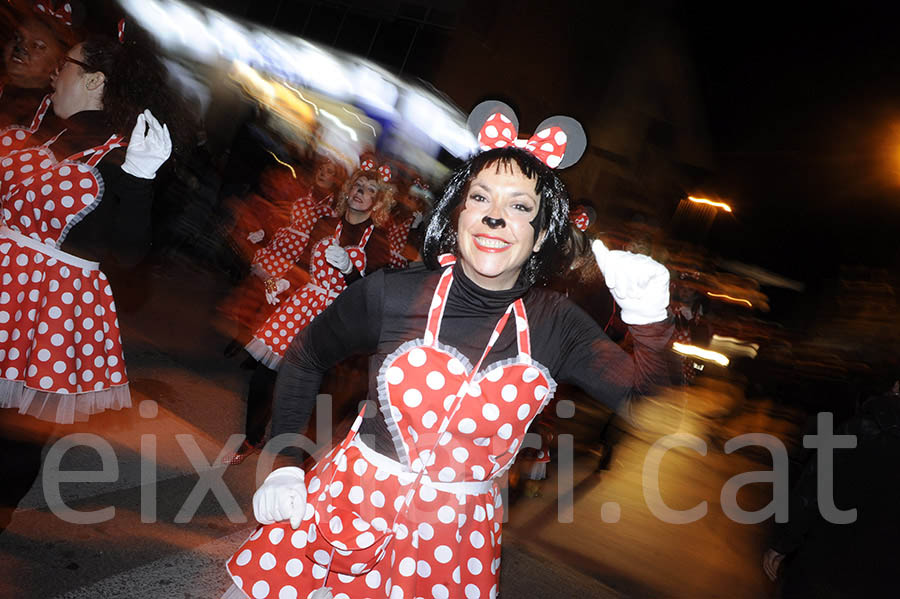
[(386, 309)]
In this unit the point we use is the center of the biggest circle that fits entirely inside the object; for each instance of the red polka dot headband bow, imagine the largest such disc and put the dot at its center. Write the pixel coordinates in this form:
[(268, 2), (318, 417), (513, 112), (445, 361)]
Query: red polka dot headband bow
[(580, 218), (384, 171), (559, 142), (63, 14)]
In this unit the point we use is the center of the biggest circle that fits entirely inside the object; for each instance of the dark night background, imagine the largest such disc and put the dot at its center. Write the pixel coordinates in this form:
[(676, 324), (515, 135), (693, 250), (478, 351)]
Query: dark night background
[(800, 102)]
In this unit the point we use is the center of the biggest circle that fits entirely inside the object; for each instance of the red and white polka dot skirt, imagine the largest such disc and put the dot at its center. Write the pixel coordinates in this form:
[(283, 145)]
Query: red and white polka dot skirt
[(288, 243), (447, 542), (271, 340), (60, 348)]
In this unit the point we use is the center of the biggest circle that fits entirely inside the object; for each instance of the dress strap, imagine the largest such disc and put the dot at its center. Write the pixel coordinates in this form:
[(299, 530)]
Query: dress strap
[(365, 236), (97, 153), (337, 231), (523, 336), (40, 114), (436, 311)]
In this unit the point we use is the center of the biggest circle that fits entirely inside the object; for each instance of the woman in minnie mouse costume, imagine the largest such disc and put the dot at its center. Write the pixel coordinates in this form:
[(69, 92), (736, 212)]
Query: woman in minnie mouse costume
[(341, 249), (466, 352), (73, 197)]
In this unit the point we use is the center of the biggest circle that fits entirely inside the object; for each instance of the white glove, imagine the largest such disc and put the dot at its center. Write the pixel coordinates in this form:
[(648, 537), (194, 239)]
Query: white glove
[(282, 496), (417, 220), (338, 258), (256, 236), (148, 147), (281, 285), (639, 284)]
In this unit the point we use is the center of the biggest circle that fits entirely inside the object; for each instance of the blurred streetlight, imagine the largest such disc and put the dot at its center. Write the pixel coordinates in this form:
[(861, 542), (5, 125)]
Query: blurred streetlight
[(721, 205)]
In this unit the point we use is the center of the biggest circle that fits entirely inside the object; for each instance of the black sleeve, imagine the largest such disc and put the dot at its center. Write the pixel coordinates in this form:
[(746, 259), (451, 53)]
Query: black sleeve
[(131, 232), (609, 374), (349, 326), (119, 229)]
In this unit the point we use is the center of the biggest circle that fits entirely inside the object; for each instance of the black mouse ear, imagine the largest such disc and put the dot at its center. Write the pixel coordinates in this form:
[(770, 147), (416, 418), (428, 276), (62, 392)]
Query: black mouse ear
[(569, 133), (481, 113)]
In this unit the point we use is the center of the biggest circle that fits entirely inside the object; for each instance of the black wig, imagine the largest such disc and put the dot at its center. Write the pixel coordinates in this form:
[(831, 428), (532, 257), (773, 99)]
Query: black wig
[(552, 215)]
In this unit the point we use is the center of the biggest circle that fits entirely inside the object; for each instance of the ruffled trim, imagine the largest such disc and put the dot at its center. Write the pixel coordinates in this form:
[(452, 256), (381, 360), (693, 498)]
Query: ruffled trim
[(79, 216), (263, 353), (384, 402), (62, 408)]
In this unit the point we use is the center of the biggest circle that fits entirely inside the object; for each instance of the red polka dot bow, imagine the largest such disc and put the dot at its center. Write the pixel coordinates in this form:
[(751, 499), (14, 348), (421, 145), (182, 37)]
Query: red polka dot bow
[(548, 144), (559, 142), (384, 171), (121, 31), (64, 13), (580, 218)]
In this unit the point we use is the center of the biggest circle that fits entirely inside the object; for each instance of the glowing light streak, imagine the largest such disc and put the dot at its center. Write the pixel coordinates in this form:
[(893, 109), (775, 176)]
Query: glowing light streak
[(699, 352), (339, 124), (302, 97), (356, 116), (729, 298), (721, 205), (281, 162)]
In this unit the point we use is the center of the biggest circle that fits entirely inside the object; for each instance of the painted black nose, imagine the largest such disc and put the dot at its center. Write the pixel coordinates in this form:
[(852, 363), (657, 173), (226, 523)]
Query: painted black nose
[(494, 223)]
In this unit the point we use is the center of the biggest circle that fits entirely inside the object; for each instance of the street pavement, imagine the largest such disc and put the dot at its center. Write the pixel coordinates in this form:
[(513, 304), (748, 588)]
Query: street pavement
[(189, 401)]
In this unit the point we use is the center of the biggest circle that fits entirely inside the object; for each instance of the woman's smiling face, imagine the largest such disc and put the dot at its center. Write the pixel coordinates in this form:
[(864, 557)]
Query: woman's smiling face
[(495, 234)]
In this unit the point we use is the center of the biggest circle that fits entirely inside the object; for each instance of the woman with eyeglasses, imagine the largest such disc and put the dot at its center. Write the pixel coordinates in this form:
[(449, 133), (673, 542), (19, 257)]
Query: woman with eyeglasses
[(76, 195)]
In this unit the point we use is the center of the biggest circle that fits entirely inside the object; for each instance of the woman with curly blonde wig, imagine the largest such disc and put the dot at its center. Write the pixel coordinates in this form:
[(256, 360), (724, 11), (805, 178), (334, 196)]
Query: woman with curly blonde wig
[(341, 249)]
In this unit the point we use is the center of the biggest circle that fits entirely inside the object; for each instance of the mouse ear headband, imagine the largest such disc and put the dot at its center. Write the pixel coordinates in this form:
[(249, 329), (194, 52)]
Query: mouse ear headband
[(559, 142), (63, 14), (383, 171)]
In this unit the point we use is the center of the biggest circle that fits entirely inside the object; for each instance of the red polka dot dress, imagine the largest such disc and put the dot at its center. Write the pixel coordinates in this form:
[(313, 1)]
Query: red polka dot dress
[(272, 339), (397, 237), (280, 255), (60, 348), (429, 525), (16, 137)]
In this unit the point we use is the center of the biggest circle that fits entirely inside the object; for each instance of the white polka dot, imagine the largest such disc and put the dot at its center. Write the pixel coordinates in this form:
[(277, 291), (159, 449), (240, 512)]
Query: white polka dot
[(505, 431), (59, 367), (472, 591), (476, 539), (509, 392), (434, 380), (85, 183), (366, 539), (560, 138), (544, 133), (412, 398), (355, 495), (244, 557), (523, 412), (417, 357), (44, 355), (57, 339), (298, 539), (287, 592), (426, 532), (267, 561), (443, 554), (394, 375), (439, 591), (540, 392), (373, 579), (260, 589), (494, 374), (447, 474), (407, 566), (428, 495), (67, 201), (377, 498), (530, 374), (321, 556), (294, 567), (553, 160), (491, 131), (335, 488), (446, 514), (466, 426), (490, 412), (455, 366), (276, 535)]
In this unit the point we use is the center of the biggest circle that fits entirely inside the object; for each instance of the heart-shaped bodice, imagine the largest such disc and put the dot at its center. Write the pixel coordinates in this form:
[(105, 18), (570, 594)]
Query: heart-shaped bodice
[(327, 276), (463, 423), (420, 384), (43, 198)]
